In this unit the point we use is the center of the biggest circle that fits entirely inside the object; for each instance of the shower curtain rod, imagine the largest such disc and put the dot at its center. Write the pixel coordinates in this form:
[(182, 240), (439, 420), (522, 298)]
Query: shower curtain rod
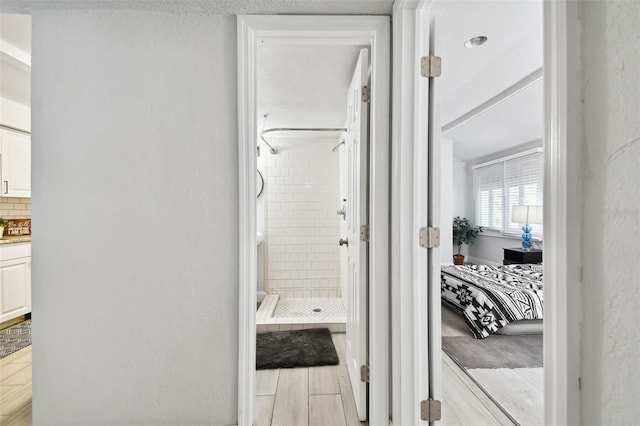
[(297, 129)]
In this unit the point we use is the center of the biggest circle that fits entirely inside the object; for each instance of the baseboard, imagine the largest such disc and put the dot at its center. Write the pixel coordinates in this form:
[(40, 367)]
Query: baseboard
[(481, 261)]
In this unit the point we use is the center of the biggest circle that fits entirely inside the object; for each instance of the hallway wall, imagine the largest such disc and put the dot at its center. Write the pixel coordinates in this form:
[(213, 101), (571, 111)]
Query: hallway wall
[(135, 294), (609, 186)]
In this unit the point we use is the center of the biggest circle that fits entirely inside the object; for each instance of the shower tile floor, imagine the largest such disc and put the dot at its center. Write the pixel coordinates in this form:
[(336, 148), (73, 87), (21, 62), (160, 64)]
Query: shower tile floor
[(279, 314)]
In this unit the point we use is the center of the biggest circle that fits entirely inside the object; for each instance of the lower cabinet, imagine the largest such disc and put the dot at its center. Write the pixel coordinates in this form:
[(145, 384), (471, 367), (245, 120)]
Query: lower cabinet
[(15, 280)]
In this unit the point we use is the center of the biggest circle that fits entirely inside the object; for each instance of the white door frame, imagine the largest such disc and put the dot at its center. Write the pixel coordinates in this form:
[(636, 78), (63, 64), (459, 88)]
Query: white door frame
[(409, 212), (562, 214), (339, 30)]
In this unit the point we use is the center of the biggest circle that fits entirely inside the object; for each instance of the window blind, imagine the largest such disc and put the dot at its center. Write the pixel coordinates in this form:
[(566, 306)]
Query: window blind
[(502, 184)]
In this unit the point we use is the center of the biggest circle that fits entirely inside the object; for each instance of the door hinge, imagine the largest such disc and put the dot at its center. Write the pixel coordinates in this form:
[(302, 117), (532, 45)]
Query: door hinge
[(366, 94), (364, 373), (431, 66), (429, 237), (430, 410), (364, 233)]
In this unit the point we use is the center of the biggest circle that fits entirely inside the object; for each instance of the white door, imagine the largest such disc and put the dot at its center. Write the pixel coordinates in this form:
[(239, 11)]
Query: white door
[(357, 153)]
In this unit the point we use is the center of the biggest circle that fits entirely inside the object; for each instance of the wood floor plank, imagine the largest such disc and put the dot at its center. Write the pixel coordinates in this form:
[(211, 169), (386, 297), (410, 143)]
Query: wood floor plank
[(20, 377), (17, 402), (323, 380), (468, 408), (326, 410), (518, 390), (348, 402), (25, 355), (475, 391), (9, 370), (267, 382), (291, 407), (449, 417), (7, 391), (264, 410), (22, 417), (340, 341)]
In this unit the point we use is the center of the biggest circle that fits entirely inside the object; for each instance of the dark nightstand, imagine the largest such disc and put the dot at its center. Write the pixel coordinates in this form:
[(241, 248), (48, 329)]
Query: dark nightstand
[(520, 255)]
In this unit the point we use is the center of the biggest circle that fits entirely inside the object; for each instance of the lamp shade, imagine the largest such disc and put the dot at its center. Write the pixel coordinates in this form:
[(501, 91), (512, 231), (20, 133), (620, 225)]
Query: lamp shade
[(526, 214)]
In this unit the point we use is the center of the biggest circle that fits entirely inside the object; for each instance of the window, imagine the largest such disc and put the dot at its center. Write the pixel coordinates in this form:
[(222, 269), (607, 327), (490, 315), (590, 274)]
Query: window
[(499, 185)]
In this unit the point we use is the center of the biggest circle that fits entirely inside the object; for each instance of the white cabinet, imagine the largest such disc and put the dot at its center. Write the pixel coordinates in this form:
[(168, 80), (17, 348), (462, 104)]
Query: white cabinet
[(15, 148), (15, 280)]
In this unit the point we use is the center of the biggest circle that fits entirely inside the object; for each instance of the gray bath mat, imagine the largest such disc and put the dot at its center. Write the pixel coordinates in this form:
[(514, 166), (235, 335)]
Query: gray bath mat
[(298, 348)]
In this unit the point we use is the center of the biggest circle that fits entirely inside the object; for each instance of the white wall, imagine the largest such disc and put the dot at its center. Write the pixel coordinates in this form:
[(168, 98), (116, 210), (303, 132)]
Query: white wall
[(302, 227), (135, 195), (461, 198), (448, 193), (611, 205)]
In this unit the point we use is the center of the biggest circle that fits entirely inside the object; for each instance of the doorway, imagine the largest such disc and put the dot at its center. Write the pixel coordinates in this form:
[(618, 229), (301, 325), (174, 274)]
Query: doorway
[(373, 34)]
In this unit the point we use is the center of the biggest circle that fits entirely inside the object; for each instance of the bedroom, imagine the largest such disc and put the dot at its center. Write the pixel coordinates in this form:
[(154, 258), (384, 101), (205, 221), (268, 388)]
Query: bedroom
[(492, 161)]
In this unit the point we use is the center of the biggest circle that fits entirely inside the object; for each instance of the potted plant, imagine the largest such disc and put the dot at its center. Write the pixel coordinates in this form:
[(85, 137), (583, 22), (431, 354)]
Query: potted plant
[(1, 227), (463, 233)]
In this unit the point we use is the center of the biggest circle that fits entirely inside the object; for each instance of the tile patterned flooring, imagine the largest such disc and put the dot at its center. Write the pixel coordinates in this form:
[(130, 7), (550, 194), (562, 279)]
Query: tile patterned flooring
[(280, 314)]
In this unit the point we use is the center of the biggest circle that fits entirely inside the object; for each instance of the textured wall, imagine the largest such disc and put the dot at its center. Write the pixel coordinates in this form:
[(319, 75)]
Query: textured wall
[(302, 228), (135, 293), (611, 198)]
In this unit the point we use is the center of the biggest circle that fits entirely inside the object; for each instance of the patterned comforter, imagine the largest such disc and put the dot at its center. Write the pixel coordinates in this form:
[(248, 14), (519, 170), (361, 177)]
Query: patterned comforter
[(491, 297)]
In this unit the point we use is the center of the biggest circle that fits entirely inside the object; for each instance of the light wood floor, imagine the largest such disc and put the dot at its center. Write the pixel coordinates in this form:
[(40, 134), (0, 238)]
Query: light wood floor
[(315, 396), (15, 388), (322, 396), (519, 391), (299, 396)]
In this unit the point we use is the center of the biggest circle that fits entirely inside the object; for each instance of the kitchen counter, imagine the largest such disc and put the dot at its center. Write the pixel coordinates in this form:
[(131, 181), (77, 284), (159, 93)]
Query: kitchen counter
[(18, 239)]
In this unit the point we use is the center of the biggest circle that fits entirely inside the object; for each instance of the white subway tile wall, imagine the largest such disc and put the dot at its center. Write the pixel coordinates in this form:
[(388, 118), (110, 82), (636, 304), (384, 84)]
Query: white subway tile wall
[(302, 227), (15, 208)]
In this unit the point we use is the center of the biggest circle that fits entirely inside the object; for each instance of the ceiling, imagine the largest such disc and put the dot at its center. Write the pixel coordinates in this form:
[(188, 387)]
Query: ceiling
[(516, 121), (209, 7), (304, 86), (471, 77)]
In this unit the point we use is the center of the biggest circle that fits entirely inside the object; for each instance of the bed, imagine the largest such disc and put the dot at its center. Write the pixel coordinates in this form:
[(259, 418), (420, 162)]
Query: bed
[(493, 298)]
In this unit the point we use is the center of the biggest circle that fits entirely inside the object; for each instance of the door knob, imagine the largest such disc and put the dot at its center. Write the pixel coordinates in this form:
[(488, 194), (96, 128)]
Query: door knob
[(344, 242)]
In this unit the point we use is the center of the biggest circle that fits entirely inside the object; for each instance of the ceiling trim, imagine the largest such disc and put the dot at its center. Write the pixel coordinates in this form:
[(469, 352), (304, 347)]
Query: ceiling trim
[(15, 55), (506, 94)]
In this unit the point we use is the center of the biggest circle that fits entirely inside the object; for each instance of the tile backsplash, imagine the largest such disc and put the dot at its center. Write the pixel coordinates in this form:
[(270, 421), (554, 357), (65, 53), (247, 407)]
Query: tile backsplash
[(302, 256), (15, 208)]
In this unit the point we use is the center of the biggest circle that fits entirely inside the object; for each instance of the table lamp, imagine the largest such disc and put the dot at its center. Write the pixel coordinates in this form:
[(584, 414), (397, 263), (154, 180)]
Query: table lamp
[(528, 215)]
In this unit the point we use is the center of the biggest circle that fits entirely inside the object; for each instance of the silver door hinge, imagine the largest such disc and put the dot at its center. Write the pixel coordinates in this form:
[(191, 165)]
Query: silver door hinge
[(430, 410), (429, 237), (364, 233), (431, 66), (366, 94), (364, 373)]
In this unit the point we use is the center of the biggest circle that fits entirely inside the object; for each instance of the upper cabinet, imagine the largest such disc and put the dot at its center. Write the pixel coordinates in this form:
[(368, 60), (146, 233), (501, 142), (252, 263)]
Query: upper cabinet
[(15, 149)]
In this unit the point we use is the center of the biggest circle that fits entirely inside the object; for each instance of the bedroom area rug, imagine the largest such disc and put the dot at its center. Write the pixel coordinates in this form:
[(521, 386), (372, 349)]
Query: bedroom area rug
[(14, 338), (299, 348), (507, 368)]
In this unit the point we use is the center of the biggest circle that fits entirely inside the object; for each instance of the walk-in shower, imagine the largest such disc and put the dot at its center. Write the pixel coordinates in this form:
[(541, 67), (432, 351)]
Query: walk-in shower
[(300, 256)]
